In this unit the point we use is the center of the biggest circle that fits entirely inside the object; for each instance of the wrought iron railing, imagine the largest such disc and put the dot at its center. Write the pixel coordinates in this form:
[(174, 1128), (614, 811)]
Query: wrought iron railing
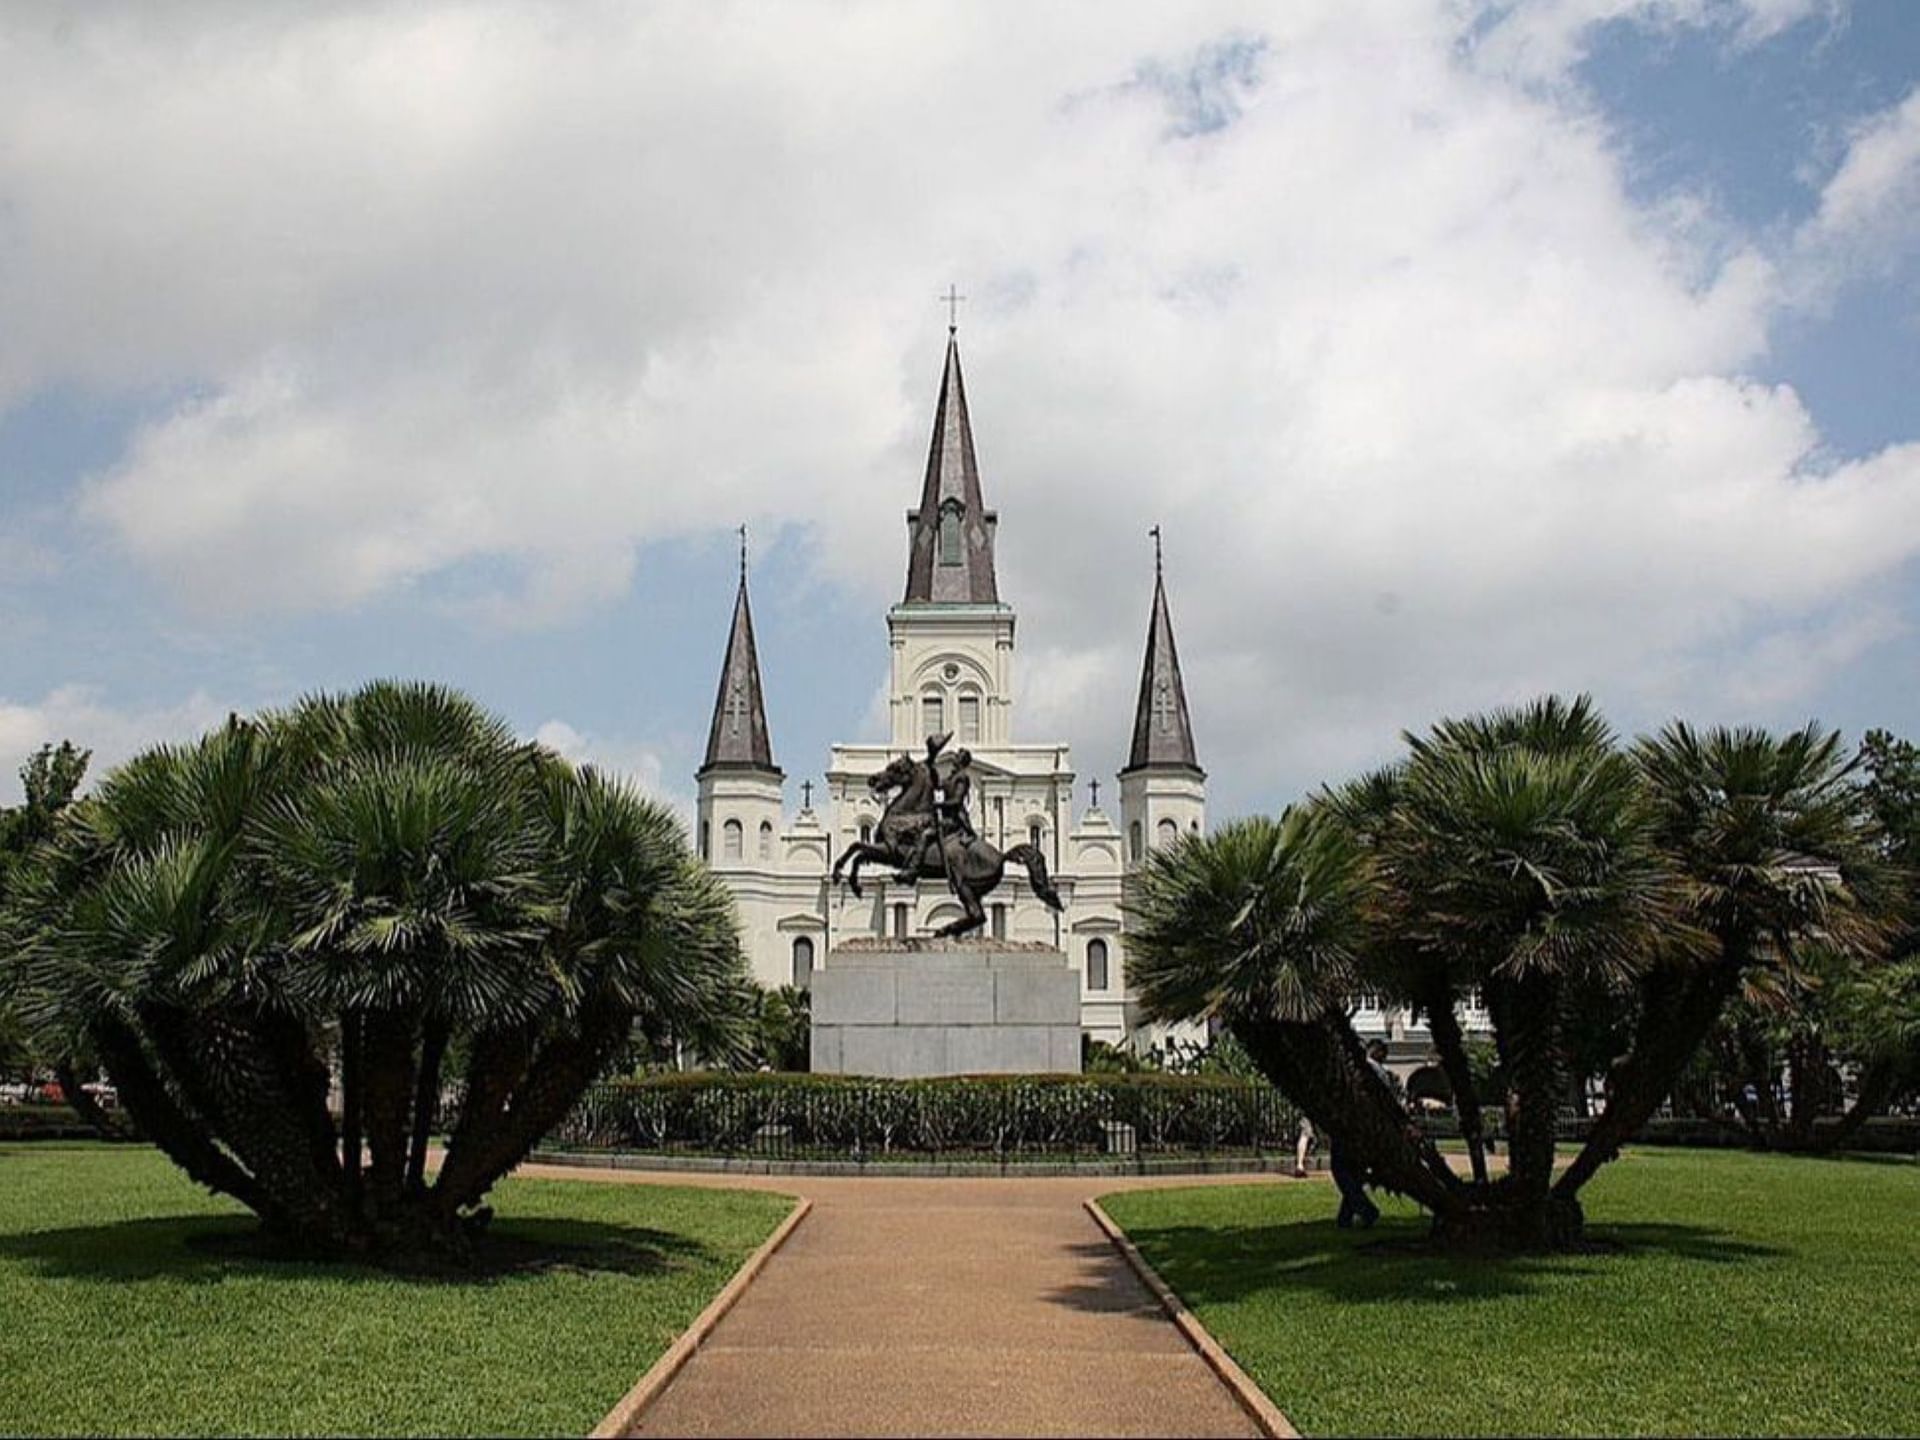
[(1009, 1120)]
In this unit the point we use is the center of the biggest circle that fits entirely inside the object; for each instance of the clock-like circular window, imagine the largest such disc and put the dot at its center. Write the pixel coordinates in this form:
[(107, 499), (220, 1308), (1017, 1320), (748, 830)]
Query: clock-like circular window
[(951, 671)]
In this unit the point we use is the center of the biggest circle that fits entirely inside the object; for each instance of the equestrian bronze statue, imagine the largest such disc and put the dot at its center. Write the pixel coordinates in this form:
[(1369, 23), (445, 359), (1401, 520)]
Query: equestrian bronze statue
[(926, 833)]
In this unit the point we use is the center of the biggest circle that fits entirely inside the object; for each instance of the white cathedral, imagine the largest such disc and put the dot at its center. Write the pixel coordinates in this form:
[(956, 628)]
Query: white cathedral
[(951, 640)]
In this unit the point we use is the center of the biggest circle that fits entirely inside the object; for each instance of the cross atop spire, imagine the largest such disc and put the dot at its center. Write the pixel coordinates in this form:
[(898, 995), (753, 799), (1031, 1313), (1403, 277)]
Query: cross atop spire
[(953, 297), (738, 738), (1162, 729), (950, 559)]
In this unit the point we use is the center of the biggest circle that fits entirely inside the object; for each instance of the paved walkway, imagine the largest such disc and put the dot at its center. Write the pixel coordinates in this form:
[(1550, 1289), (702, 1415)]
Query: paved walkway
[(957, 1306)]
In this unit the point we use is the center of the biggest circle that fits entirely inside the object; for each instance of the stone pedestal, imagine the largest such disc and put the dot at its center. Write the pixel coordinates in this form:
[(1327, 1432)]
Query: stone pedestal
[(945, 1007)]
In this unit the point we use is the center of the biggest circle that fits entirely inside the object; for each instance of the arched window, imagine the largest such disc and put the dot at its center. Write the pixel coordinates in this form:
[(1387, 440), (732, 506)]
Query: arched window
[(1037, 834), (766, 840), (866, 832), (1096, 965), (1165, 833), (952, 523), (970, 719), (1133, 839), (802, 960), (731, 837), (933, 714), (706, 840)]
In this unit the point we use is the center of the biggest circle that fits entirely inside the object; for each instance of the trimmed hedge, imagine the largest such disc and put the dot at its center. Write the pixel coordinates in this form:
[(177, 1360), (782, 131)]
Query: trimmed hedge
[(44, 1122), (1883, 1134), (996, 1116)]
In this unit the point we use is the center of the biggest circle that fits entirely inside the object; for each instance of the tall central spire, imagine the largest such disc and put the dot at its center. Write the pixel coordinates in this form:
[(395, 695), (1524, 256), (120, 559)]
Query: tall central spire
[(950, 556)]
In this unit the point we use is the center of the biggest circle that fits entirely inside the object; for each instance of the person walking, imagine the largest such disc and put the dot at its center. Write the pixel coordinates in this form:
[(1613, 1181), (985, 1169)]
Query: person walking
[(1356, 1206)]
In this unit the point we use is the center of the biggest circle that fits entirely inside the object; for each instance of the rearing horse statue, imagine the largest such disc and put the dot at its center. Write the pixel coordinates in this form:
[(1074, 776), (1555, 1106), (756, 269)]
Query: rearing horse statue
[(971, 868)]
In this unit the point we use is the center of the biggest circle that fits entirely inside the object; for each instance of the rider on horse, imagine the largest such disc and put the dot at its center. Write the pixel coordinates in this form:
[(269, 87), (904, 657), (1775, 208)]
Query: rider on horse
[(951, 813)]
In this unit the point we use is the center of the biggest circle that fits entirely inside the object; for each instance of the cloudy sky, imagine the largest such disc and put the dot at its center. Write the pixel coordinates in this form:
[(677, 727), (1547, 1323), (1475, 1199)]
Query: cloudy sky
[(1464, 350)]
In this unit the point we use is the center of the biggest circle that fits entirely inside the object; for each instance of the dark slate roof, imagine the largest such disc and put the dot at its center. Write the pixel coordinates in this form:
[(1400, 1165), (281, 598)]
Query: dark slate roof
[(953, 479), (738, 739), (1162, 730)]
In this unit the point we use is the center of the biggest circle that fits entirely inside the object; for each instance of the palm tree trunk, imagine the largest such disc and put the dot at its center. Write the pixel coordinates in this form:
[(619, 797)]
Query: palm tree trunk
[(1878, 1086), (1802, 1067), (554, 1079), (1530, 1015), (304, 1076), (224, 1071), (389, 1067), (1321, 1067), (352, 1104), (497, 1062), (1756, 1058), (426, 1103), (1678, 1011), (88, 1108), (161, 1120), (1444, 1026)]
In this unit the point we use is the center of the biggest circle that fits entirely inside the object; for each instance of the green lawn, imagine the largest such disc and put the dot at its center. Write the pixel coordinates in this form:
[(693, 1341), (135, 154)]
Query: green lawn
[(129, 1304), (1755, 1295)]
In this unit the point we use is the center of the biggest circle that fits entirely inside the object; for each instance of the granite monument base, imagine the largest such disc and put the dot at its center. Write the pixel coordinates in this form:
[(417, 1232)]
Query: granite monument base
[(914, 1007)]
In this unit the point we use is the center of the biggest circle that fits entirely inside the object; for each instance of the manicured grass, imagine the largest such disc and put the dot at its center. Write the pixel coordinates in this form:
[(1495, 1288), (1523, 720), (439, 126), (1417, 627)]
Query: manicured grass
[(131, 1303), (1754, 1295)]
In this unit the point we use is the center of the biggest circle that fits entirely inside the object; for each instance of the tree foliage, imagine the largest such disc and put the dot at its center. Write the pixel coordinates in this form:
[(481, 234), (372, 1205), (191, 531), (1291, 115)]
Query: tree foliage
[(48, 781), (783, 1038), (348, 894), (1526, 858)]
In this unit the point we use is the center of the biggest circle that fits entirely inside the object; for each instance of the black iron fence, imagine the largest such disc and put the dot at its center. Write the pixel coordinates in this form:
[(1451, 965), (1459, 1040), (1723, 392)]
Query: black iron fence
[(986, 1118)]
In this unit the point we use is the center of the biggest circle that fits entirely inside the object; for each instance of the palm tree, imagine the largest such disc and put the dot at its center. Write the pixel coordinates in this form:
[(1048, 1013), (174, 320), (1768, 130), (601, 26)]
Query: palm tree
[(1509, 854), (1876, 1011), (1773, 847), (362, 887), (1263, 923)]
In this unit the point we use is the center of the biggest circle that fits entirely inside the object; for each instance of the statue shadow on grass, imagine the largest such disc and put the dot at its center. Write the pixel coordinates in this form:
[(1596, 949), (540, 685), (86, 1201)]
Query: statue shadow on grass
[(208, 1249), (1392, 1263)]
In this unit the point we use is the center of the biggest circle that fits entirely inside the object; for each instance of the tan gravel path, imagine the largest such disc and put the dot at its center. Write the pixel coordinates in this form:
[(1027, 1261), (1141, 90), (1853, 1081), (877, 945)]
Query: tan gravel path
[(944, 1306)]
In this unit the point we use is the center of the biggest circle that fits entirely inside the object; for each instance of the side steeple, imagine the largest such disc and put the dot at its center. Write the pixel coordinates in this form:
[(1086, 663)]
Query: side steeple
[(1162, 729), (950, 555), (738, 739)]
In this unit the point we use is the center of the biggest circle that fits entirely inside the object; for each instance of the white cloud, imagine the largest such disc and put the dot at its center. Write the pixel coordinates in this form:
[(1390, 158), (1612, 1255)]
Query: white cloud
[(1432, 412), (640, 764), (81, 714), (1869, 211)]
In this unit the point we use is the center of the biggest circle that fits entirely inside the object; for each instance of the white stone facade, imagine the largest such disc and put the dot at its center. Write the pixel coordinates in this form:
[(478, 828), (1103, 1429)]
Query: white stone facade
[(777, 865)]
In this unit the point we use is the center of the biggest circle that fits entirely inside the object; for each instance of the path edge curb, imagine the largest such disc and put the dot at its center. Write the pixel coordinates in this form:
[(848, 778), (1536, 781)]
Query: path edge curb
[(1271, 1420), (631, 1406)]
